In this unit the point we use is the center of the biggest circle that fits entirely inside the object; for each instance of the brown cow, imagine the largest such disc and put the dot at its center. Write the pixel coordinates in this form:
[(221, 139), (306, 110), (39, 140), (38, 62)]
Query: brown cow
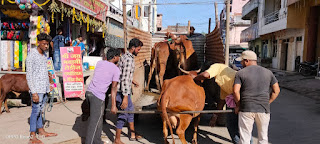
[(180, 94), (16, 83), (165, 57)]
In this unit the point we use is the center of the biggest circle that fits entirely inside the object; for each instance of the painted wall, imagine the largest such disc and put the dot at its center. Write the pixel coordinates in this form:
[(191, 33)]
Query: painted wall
[(237, 5), (235, 33)]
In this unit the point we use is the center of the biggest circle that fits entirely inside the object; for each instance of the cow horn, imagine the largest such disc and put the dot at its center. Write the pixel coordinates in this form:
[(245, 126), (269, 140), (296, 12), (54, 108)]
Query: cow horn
[(184, 71), (198, 70)]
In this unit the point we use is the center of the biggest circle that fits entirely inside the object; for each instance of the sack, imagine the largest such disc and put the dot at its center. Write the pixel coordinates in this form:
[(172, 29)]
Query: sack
[(230, 101)]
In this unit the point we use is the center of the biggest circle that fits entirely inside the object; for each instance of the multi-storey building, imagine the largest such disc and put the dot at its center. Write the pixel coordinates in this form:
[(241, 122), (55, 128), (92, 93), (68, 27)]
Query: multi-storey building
[(288, 31), (236, 25)]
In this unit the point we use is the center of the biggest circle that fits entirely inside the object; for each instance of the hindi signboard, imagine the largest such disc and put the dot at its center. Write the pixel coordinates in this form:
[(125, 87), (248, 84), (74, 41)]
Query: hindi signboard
[(73, 83)]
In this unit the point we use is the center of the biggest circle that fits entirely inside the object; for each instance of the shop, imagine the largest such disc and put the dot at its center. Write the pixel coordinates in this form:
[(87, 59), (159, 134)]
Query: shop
[(21, 21), (85, 18)]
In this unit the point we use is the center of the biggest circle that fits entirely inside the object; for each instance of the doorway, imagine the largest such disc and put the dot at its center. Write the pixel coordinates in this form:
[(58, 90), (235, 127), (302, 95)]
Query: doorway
[(284, 55)]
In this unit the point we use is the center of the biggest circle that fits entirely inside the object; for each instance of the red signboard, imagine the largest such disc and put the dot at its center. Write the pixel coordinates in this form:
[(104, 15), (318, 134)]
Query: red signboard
[(95, 8), (71, 63)]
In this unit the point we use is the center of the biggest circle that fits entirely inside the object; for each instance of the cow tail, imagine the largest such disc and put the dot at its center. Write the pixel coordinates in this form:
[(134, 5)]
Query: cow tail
[(164, 101)]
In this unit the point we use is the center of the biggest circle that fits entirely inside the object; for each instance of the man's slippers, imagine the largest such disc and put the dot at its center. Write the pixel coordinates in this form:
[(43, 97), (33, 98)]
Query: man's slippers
[(49, 135)]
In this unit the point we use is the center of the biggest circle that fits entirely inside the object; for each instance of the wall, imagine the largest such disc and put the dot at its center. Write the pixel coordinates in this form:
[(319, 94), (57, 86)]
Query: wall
[(159, 21), (295, 11), (237, 6), (145, 54), (198, 44), (214, 51), (235, 34), (115, 28)]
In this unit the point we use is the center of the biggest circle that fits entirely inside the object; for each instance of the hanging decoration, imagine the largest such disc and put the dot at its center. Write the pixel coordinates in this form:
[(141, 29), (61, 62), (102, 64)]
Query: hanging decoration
[(76, 16), (88, 22), (62, 11), (53, 7), (73, 14), (40, 5)]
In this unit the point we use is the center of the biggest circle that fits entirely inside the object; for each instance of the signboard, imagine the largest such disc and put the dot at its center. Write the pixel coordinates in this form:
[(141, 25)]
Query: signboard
[(54, 92), (95, 8), (71, 63)]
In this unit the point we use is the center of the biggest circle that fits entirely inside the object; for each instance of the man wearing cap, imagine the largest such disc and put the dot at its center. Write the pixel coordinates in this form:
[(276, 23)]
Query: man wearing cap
[(253, 97)]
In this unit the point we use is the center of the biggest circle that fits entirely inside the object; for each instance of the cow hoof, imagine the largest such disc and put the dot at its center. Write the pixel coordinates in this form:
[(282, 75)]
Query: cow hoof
[(194, 141), (8, 111)]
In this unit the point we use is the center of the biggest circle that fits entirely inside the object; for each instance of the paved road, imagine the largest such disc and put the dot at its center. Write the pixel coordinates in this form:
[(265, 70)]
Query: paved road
[(294, 119)]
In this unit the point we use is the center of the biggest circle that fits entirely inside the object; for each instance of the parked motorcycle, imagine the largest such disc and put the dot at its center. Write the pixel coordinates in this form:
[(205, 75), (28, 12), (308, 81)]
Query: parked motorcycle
[(308, 68)]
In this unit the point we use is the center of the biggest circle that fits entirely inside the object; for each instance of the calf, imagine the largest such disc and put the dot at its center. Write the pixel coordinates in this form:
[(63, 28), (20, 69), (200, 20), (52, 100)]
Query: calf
[(14, 83), (180, 94)]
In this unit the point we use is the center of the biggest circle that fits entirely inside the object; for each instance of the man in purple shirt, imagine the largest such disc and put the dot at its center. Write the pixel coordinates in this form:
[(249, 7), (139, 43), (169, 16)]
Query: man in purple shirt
[(105, 74)]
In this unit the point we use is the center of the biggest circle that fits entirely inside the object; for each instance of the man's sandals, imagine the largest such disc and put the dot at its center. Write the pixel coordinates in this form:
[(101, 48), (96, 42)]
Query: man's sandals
[(136, 138)]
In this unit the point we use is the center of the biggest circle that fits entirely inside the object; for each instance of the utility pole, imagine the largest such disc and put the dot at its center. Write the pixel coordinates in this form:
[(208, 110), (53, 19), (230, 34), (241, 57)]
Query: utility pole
[(189, 27), (177, 27), (227, 32), (124, 24), (140, 18), (216, 13), (149, 17), (209, 25)]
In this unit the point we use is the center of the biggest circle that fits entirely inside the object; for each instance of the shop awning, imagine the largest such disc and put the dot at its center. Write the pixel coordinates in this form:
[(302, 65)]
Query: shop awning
[(95, 8)]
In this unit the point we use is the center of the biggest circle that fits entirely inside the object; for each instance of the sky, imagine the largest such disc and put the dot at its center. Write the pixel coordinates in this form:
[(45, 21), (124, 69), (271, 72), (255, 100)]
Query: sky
[(198, 14)]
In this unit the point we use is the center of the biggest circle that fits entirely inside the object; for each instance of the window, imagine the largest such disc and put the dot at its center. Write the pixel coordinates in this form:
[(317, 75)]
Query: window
[(275, 49), (146, 11), (129, 13), (299, 39)]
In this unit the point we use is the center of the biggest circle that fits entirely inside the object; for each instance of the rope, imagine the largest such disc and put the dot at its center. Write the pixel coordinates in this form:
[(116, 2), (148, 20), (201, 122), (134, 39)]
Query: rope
[(184, 112)]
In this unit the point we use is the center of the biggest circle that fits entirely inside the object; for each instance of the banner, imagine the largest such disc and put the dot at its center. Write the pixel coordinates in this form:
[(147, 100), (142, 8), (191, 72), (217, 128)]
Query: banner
[(54, 92), (95, 8), (71, 64)]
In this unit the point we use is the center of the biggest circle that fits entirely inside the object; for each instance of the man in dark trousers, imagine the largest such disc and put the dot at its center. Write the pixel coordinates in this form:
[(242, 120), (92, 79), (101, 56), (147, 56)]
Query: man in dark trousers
[(124, 102), (56, 44), (255, 88), (105, 74), (39, 85)]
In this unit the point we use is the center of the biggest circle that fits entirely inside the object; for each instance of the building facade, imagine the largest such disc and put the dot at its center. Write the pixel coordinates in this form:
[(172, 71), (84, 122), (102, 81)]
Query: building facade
[(237, 25), (283, 32), (137, 16)]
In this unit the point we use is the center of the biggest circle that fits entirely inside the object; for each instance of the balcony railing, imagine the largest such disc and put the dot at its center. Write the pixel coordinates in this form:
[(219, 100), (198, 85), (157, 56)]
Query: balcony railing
[(275, 16), (272, 17), (249, 34), (249, 7)]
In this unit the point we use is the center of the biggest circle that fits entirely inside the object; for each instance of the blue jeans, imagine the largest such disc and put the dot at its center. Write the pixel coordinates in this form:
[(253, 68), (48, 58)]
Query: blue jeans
[(124, 117), (36, 113), (57, 60)]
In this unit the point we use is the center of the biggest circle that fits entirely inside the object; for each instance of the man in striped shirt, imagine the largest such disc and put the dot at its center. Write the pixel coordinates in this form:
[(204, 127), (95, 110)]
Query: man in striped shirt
[(123, 98)]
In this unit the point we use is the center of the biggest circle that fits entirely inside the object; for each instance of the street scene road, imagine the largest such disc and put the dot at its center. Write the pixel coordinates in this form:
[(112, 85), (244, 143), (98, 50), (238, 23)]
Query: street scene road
[(294, 119)]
